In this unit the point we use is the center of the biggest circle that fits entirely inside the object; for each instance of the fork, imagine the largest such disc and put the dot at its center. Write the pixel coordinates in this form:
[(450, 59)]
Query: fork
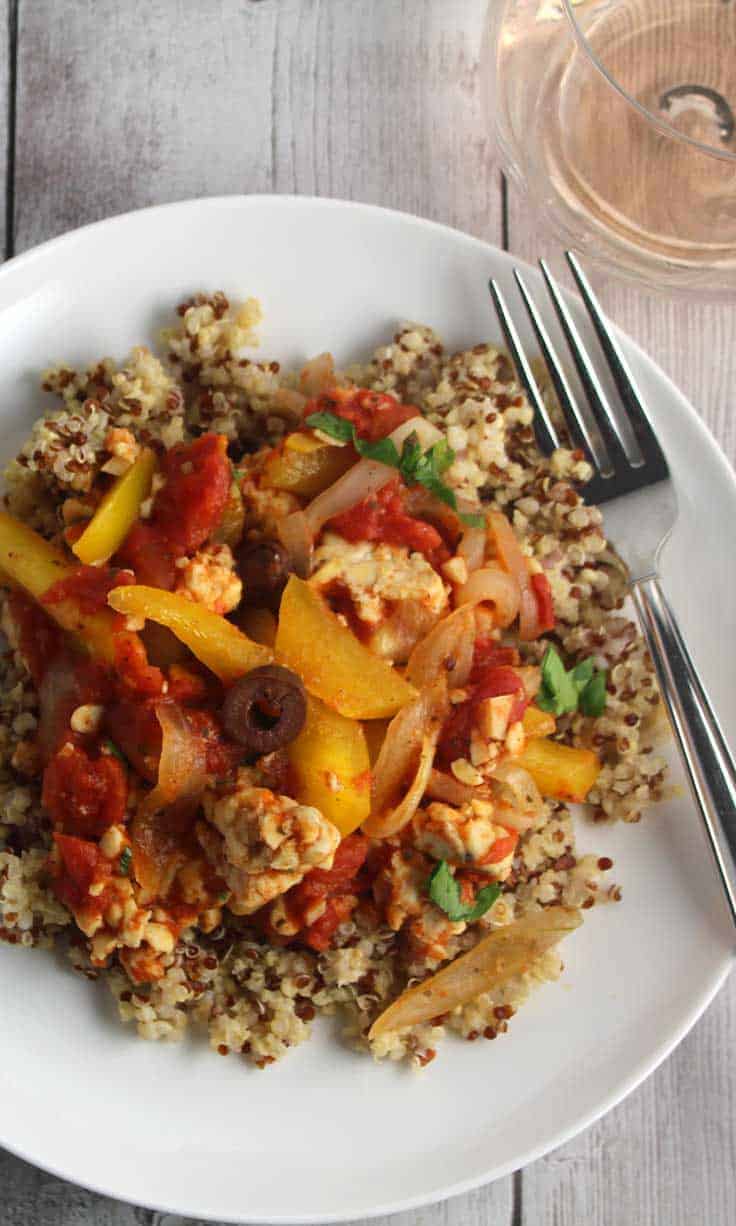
[(632, 479)]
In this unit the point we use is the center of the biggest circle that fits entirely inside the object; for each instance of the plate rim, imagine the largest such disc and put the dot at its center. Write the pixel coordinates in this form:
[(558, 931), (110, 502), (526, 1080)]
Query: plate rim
[(645, 1066)]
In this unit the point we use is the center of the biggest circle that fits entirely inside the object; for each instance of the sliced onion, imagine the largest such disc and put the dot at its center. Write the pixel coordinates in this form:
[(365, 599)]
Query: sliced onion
[(517, 798), (422, 504), (317, 375), (365, 477), (402, 742), (495, 586), (497, 957), (182, 769), (296, 537), (286, 400), (451, 641), (382, 825), (472, 547), (509, 552), (450, 790), (359, 482)]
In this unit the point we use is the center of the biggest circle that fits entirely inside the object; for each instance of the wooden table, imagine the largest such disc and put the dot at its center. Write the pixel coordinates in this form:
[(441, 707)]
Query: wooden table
[(115, 104)]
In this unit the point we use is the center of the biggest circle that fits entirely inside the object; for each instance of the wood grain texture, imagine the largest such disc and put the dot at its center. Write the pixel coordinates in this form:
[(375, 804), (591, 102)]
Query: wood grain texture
[(123, 105), (664, 1157), (7, 41)]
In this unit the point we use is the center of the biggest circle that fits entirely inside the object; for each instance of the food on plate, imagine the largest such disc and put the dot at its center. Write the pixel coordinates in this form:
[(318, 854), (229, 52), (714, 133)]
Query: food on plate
[(302, 671)]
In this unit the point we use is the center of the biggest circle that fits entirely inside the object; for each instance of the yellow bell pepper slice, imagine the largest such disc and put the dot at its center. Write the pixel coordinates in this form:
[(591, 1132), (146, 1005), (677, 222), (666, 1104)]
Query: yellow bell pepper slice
[(35, 565), (330, 767), (559, 771), (217, 643), (332, 662), (117, 512), (304, 465), (538, 723)]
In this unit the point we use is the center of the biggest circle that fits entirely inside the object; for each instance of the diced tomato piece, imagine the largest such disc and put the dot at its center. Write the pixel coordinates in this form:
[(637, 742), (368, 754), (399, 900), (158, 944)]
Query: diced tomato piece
[(132, 667), (454, 740), (318, 936), (135, 729), (39, 638), (382, 517), (349, 859), (84, 795), (88, 587), (186, 511), (501, 679), (133, 726), (487, 681), (221, 755), (185, 685), (82, 863), (545, 604), (489, 652), (337, 886), (374, 414), (191, 503), (502, 848), (148, 553)]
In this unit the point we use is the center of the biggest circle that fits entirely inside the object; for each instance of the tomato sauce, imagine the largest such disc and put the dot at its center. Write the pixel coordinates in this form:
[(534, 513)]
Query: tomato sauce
[(382, 517), (487, 680), (221, 754), (374, 414), (87, 587), (502, 848), (83, 795), (186, 510), (69, 681), (337, 887), (545, 605), (134, 727), (39, 638), (80, 864), (133, 672)]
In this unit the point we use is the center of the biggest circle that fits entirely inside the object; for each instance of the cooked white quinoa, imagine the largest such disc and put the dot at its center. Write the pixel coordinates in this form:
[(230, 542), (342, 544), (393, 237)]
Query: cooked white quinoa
[(252, 998)]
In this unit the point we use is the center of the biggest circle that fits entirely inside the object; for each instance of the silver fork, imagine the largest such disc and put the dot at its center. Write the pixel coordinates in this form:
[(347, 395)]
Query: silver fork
[(632, 478)]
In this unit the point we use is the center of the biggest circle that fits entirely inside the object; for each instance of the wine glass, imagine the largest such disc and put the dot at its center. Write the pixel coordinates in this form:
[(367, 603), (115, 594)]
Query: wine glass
[(616, 117)]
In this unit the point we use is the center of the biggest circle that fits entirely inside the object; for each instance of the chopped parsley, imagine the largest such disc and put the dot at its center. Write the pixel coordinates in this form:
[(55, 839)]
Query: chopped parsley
[(581, 688), (593, 697), (124, 863), (415, 466), (444, 891), (112, 748)]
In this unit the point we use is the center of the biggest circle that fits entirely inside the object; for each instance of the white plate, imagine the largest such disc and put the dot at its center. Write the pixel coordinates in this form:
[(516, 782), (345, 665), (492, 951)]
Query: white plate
[(327, 1135)]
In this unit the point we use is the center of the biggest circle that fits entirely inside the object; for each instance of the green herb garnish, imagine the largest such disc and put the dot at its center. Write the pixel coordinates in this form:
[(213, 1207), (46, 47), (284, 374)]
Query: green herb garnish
[(582, 688), (593, 697), (124, 863), (415, 466), (112, 748), (444, 891)]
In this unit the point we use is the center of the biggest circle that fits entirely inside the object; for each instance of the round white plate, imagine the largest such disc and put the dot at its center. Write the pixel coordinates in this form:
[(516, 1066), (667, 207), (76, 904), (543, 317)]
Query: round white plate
[(327, 1135)]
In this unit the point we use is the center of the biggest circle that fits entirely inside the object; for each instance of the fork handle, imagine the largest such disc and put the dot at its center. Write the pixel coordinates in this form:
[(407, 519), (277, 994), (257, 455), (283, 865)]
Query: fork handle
[(707, 759)]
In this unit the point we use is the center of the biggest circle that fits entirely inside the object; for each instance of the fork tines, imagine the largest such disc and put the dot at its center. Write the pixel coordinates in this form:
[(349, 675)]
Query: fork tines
[(621, 445)]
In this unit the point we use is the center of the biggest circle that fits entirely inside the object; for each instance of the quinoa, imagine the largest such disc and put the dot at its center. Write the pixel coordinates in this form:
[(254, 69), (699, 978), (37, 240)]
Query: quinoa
[(254, 999)]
